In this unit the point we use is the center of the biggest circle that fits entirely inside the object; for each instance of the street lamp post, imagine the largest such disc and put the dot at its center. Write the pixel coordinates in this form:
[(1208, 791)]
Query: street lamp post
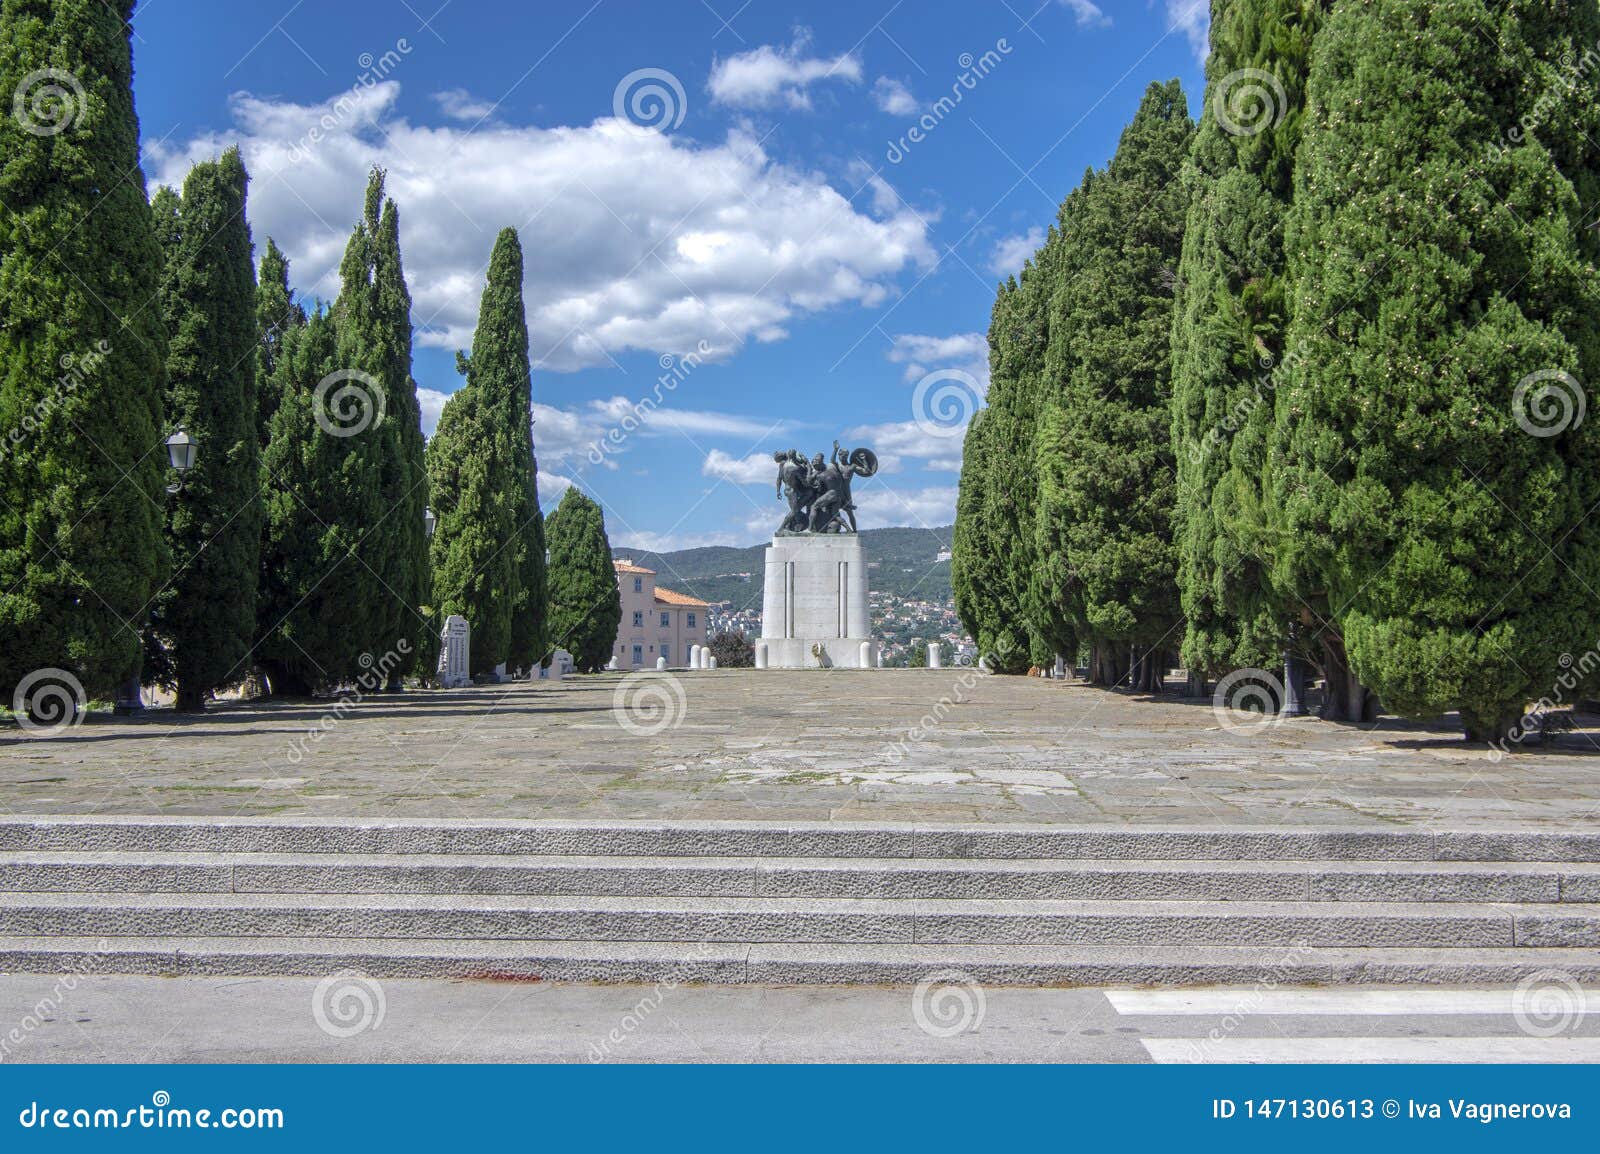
[(181, 452)]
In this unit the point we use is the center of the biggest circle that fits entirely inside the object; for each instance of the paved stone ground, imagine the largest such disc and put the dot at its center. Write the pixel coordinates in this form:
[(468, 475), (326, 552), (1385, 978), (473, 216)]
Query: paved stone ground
[(101, 1018), (885, 745)]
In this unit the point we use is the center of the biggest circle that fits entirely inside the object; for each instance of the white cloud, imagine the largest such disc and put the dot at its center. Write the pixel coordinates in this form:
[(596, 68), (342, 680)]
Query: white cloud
[(756, 469), (459, 104), (922, 354), (432, 402), (765, 75), (634, 239), (898, 442), (1012, 252), (1089, 14), (672, 542), (1193, 19), (929, 507), (893, 97)]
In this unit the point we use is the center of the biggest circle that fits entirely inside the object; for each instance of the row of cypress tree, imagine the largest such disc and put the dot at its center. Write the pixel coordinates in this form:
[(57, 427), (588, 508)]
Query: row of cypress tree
[(296, 546), (1264, 389)]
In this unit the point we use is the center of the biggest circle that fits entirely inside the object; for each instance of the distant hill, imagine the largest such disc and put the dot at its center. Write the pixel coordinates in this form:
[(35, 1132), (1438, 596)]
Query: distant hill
[(902, 560)]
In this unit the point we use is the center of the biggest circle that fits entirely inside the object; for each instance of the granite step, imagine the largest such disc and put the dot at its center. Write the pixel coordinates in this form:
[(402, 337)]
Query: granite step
[(768, 964), (937, 878), (801, 920), (777, 839)]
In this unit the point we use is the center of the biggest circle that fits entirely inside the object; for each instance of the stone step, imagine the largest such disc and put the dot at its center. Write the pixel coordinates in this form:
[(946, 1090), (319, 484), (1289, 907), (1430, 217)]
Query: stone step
[(800, 920), (776, 839), (671, 963), (936, 878)]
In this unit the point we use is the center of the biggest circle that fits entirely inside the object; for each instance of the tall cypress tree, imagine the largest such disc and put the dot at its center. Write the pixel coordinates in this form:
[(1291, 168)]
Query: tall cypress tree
[(202, 622), (277, 311), (585, 603), (488, 549), (1440, 257), (500, 359), (993, 549), (1227, 343), (407, 571), (1104, 444), (82, 357)]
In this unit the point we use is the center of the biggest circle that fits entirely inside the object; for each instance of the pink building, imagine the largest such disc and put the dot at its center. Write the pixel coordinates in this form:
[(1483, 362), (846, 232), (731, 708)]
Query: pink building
[(656, 622)]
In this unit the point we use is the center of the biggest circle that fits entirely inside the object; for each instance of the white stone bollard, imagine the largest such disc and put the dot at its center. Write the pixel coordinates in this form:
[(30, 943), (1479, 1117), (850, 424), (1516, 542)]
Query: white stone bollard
[(661, 664), (694, 657), (880, 659), (866, 655), (711, 660), (1061, 667), (455, 648), (935, 655), (761, 655)]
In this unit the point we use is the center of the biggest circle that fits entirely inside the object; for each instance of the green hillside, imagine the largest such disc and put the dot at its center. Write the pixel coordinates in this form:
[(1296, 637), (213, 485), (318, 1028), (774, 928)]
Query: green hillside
[(903, 566)]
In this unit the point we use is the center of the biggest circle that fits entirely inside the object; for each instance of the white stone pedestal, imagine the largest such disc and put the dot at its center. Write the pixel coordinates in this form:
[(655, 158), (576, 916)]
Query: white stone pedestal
[(814, 603)]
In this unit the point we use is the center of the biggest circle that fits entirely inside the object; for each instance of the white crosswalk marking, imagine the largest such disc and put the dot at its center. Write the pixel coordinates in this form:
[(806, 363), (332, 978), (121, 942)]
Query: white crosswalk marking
[(1297, 1001), (1370, 1050)]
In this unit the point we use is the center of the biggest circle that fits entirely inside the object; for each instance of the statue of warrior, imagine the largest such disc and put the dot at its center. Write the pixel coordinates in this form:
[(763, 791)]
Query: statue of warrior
[(833, 511), (795, 476)]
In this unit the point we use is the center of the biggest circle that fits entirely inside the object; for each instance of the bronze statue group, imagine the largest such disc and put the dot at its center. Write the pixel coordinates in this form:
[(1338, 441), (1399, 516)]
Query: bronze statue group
[(819, 489)]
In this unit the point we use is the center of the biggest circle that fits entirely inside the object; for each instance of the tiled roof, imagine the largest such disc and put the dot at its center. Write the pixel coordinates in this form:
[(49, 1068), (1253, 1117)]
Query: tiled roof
[(630, 567), (671, 597)]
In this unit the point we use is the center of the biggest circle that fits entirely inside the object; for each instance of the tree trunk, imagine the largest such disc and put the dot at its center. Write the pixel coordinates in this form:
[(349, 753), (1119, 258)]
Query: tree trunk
[(1490, 730), (190, 699), (283, 682), (1346, 698)]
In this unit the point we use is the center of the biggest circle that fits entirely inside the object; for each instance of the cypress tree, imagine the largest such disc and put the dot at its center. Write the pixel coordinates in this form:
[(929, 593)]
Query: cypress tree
[(1440, 256), (499, 370), (276, 312), (82, 357), (585, 603), (407, 573), (1228, 331), (993, 549), (1107, 561), (202, 622)]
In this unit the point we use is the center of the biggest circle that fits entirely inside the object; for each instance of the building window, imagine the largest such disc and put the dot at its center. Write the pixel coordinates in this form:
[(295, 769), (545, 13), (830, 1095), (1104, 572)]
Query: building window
[(638, 620), (638, 584), (666, 621), (691, 621)]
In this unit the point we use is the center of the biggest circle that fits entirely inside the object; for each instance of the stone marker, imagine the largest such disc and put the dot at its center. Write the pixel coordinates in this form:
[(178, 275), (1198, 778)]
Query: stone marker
[(935, 654), (711, 660), (661, 663), (866, 655), (761, 654), (455, 641)]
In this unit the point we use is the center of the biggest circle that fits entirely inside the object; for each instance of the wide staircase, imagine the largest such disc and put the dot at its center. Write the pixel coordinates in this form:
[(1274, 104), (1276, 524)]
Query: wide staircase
[(768, 903)]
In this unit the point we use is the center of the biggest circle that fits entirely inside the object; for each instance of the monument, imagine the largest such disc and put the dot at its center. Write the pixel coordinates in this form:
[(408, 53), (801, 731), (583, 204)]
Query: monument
[(814, 611)]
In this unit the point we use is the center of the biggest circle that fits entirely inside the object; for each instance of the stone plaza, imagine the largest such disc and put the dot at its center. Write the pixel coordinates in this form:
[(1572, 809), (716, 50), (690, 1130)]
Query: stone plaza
[(893, 746)]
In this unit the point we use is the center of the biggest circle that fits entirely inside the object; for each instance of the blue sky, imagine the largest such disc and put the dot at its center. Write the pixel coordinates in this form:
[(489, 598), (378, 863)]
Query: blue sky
[(724, 210)]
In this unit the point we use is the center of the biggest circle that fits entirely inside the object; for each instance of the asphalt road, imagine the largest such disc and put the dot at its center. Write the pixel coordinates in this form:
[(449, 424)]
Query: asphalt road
[(355, 1019)]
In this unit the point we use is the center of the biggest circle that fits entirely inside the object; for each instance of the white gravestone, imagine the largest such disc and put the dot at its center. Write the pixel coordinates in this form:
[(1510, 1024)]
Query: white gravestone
[(814, 602), (455, 642)]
